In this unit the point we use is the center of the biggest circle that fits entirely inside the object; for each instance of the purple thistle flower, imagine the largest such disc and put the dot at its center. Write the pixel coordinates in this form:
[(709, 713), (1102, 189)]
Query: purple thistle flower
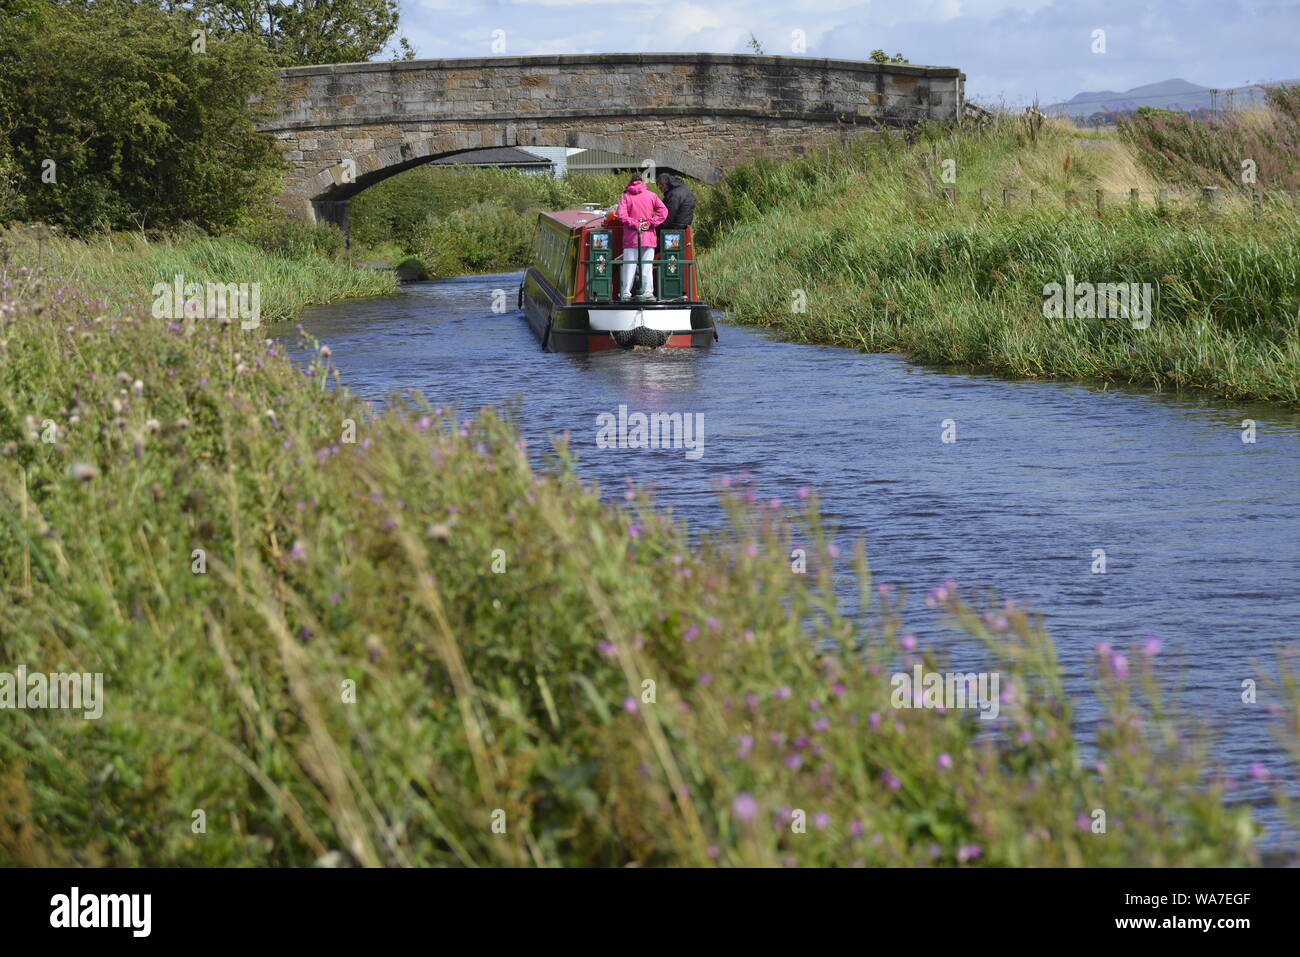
[(1119, 664), (744, 805), (630, 705)]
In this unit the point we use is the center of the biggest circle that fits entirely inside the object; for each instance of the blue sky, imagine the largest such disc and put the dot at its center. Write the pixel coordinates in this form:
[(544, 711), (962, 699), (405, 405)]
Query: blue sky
[(1010, 50)]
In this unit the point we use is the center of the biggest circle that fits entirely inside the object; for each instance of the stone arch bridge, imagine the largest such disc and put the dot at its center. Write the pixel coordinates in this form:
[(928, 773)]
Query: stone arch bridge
[(345, 127)]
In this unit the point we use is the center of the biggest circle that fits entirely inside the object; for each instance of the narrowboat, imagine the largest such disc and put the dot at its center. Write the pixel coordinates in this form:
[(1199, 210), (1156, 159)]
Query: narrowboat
[(570, 293)]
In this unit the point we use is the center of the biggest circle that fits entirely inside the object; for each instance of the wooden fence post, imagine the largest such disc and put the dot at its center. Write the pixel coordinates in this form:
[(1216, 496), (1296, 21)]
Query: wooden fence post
[(1101, 198), (1133, 196)]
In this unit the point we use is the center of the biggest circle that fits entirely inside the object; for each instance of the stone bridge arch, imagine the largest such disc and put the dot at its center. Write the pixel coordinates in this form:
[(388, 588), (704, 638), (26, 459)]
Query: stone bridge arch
[(344, 127), (343, 180)]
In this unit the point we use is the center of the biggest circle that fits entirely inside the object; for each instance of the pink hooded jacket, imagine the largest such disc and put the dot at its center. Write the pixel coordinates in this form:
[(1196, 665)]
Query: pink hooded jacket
[(637, 205)]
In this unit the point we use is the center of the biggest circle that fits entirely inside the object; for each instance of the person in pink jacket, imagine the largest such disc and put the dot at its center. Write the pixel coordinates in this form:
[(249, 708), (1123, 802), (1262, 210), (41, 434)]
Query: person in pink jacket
[(640, 211)]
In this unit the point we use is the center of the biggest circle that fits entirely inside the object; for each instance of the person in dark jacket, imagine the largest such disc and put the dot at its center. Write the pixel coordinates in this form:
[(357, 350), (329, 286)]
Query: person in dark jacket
[(678, 198)]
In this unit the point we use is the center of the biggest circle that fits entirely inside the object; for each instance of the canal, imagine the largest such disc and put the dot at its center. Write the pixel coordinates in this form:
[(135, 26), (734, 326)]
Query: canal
[(1200, 530)]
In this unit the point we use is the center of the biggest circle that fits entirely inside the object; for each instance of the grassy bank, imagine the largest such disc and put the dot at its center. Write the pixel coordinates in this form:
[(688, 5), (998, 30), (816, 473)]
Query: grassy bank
[(856, 247), (329, 635), (295, 265)]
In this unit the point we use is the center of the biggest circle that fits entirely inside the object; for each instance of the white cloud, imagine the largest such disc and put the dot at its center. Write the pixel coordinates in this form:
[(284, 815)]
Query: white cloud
[(1008, 48)]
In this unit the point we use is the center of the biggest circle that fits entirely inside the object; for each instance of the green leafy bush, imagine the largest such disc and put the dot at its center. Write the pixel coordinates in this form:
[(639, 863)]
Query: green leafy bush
[(140, 131), (293, 238), (481, 238)]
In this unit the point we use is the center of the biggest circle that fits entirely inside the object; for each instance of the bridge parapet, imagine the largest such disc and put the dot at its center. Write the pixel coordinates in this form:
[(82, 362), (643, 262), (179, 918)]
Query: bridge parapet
[(344, 126)]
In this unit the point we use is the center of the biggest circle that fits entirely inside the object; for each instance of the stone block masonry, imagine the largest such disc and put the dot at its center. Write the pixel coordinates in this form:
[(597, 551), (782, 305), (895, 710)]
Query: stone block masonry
[(347, 126)]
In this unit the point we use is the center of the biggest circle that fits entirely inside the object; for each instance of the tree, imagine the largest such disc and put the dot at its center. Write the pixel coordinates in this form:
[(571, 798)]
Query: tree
[(113, 118), (305, 32), (880, 56)]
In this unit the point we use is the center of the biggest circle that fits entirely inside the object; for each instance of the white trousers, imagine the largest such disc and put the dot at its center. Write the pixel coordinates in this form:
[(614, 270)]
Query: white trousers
[(647, 271)]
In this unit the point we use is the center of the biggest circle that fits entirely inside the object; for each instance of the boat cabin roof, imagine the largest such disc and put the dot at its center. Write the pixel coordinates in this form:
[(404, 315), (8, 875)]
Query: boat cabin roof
[(577, 218)]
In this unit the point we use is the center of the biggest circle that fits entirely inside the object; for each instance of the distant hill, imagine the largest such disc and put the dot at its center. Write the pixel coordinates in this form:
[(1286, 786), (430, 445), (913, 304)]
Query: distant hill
[(1173, 94)]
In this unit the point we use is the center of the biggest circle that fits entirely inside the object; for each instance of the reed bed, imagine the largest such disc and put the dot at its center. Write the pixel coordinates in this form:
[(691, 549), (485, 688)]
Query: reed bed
[(869, 253)]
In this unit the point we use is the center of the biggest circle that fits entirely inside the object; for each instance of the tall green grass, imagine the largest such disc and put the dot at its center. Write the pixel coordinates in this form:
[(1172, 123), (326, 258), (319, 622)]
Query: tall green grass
[(869, 255), (387, 639), (122, 268)]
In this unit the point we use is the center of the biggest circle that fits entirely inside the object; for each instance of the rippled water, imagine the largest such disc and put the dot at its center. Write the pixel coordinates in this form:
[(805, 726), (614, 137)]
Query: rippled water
[(1201, 531)]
